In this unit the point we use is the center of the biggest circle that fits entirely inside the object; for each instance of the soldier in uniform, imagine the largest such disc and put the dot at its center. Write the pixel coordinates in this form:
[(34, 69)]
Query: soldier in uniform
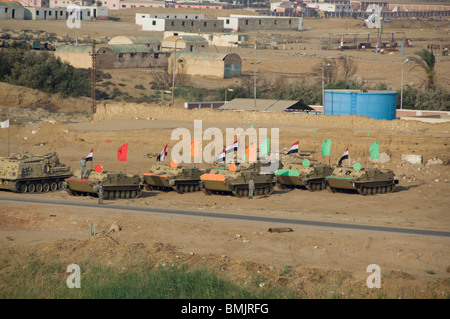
[(251, 188), (83, 167), (100, 192)]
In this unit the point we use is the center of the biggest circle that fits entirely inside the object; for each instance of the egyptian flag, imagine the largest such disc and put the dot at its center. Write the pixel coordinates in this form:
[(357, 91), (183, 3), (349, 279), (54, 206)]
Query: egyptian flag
[(90, 156), (294, 148), (344, 156), (163, 154), (232, 147), (221, 156)]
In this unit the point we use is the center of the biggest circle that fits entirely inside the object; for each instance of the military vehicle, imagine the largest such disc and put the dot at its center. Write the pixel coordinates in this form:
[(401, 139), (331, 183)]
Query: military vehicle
[(181, 179), (311, 177), (116, 184), (33, 173), (225, 181), (365, 181)]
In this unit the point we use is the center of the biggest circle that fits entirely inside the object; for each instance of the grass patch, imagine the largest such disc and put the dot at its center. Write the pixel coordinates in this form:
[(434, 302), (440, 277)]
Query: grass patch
[(33, 278)]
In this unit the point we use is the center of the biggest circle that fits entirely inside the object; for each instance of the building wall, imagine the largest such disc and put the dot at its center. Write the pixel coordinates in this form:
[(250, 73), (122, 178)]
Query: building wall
[(76, 59), (122, 39), (34, 3), (45, 13), (108, 59), (250, 23), (7, 12), (143, 4), (197, 67)]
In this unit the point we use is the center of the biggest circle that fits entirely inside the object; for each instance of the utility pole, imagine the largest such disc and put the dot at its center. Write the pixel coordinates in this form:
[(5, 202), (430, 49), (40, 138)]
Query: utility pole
[(93, 77)]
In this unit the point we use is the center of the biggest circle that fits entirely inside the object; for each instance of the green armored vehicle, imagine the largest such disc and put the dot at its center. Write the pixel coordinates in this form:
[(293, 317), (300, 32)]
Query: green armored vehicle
[(226, 181), (181, 179), (311, 177), (365, 181), (116, 185), (33, 173)]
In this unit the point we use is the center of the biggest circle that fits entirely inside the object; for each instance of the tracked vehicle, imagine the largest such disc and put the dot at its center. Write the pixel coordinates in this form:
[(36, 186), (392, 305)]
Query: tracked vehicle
[(311, 177), (116, 185), (33, 173), (225, 181), (365, 181), (181, 179)]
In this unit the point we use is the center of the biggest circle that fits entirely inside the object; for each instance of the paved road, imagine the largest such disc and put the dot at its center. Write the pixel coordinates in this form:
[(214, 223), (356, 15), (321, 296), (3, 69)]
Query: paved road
[(109, 206)]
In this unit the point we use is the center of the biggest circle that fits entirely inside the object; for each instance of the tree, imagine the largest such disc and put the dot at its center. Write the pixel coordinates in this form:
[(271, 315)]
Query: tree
[(426, 60)]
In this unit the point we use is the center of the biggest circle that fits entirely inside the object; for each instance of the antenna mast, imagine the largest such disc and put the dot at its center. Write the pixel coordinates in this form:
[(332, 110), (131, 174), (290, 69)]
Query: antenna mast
[(93, 77)]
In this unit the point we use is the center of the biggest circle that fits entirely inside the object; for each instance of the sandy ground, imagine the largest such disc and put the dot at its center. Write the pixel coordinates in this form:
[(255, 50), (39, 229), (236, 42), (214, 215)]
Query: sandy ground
[(412, 266), (415, 266)]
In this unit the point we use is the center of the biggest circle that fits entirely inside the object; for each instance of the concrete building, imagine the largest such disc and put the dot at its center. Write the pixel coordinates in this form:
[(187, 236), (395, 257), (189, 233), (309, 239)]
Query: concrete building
[(151, 42), (12, 10), (110, 4), (34, 3), (45, 13), (112, 56), (190, 43), (218, 39), (142, 19), (175, 24), (205, 64), (242, 23), (142, 4)]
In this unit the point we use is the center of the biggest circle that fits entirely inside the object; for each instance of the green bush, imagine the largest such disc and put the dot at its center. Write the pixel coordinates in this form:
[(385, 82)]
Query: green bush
[(44, 72)]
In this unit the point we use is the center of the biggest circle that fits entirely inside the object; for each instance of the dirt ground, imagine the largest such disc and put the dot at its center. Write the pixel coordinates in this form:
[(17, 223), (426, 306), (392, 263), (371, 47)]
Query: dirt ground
[(332, 258)]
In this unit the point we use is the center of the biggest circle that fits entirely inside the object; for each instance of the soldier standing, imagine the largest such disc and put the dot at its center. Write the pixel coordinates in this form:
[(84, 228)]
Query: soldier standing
[(251, 188), (83, 167), (100, 192)]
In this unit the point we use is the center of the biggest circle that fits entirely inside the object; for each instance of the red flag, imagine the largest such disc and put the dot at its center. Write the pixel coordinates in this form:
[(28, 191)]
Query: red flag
[(122, 153), (107, 140)]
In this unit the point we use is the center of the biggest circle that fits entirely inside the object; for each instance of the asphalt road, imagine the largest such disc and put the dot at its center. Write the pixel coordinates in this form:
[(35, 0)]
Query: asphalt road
[(46, 201)]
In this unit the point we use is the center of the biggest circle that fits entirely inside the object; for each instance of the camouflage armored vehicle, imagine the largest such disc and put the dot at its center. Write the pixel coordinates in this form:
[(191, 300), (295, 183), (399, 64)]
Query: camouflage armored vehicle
[(33, 173), (365, 181), (181, 179), (311, 177), (225, 181), (116, 185)]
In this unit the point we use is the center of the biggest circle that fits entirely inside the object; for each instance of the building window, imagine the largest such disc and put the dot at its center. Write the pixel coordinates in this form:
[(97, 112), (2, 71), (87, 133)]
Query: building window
[(259, 22), (182, 23), (37, 12), (153, 22), (204, 24), (120, 55), (227, 21), (275, 22), (246, 22), (290, 21), (6, 10), (132, 55)]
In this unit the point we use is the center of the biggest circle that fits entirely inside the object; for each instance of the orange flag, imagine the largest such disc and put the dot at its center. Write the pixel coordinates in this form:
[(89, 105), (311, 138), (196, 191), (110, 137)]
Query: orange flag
[(194, 148), (250, 153)]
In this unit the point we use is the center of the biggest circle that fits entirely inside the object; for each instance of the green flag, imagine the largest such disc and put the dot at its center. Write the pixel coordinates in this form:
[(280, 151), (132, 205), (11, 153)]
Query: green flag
[(264, 147), (326, 147), (374, 150)]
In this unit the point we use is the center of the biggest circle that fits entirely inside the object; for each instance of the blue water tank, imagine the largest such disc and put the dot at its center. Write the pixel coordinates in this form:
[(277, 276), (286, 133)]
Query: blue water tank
[(379, 105)]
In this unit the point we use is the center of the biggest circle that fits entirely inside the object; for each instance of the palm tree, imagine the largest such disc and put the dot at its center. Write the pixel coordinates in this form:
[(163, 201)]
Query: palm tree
[(426, 60)]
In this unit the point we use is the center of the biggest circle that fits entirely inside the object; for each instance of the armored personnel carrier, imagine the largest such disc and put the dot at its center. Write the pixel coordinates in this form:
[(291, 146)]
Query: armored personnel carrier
[(365, 181), (181, 179), (225, 181), (311, 177), (33, 173), (116, 185)]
